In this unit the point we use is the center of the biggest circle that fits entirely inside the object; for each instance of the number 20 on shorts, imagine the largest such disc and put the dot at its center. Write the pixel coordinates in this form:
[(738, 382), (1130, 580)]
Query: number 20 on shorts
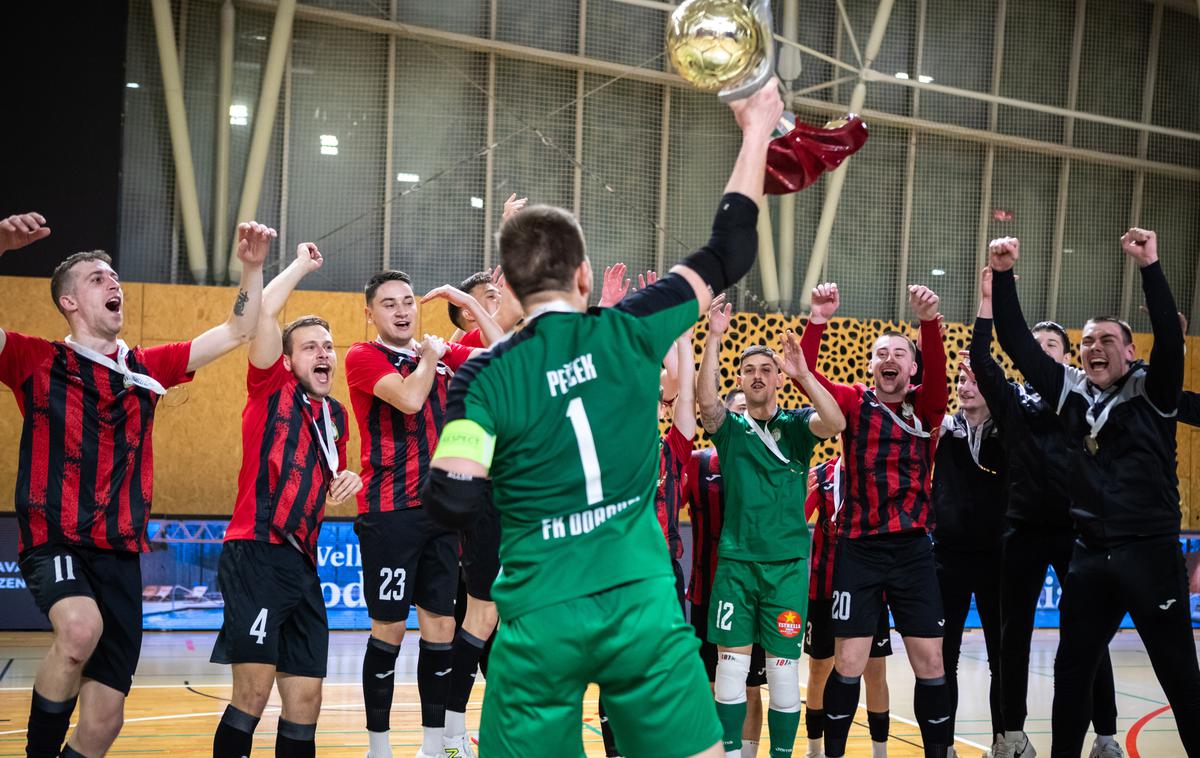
[(841, 606)]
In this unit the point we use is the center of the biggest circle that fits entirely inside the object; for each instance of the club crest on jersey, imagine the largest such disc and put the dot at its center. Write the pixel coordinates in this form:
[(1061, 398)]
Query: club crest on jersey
[(906, 410), (790, 624), (776, 434)]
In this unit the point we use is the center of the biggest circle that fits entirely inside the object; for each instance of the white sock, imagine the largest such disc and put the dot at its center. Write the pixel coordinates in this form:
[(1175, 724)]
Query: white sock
[(733, 753), (878, 749), (1017, 738), (456, 724), (1104, 739), (378, 744), (432, 742), (816, 747), (749, 748)]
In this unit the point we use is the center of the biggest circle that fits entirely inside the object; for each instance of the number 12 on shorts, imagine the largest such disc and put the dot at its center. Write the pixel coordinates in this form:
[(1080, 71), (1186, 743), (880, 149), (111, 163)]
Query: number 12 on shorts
[(724, 615)]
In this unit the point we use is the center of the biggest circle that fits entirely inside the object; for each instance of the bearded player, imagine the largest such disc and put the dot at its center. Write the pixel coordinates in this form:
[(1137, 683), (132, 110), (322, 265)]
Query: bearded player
[(398, 392), (294, 433), (760, 592), (1039, 532), (84, 489), (883, 542), (588, 593)]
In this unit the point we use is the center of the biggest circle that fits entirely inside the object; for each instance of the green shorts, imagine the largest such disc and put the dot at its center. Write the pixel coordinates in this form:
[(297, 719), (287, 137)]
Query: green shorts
[(630, 640), (760, 602)]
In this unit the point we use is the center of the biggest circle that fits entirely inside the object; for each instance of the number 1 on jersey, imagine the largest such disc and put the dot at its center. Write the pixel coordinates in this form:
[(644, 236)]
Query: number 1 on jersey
[(587, 450)]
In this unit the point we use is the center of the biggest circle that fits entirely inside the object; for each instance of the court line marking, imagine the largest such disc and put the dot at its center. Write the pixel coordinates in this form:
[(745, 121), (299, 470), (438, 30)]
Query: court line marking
[(159, 718), (1132, 735), (969, 743)]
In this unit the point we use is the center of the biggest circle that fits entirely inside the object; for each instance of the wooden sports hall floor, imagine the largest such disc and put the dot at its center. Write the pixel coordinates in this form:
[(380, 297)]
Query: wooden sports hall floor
[(178, 697)]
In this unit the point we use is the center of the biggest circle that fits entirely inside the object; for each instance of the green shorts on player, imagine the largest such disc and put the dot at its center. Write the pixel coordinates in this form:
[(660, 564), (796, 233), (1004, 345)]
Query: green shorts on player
[(761, 602), (631, 641)]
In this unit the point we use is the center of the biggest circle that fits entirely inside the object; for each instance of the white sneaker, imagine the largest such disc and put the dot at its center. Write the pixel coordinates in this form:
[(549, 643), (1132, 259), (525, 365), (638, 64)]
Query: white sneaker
[(951, 752), (996, 749), (1107, 750), (458, 747), (1018, 746)]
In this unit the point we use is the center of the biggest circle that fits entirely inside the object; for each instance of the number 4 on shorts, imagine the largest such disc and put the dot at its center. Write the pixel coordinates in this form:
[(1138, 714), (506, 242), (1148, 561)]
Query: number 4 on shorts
[(259, 627)]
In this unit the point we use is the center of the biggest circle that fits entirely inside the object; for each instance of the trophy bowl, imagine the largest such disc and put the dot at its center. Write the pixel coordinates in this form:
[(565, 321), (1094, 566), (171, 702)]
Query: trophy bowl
[(714, 44)]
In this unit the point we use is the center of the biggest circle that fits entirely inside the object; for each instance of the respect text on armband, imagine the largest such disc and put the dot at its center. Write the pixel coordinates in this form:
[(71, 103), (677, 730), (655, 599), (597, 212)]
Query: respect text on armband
[(582, 522)]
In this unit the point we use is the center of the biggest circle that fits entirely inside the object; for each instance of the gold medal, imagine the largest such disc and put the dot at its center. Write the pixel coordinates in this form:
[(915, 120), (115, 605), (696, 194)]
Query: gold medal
[(1091, 444)]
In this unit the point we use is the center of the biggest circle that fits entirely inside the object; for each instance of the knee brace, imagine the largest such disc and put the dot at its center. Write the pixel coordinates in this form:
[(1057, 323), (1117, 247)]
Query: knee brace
[(732, 670), (783, 680)]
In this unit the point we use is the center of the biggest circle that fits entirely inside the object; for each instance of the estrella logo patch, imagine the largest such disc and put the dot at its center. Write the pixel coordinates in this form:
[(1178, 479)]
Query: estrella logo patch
[(790, 624)]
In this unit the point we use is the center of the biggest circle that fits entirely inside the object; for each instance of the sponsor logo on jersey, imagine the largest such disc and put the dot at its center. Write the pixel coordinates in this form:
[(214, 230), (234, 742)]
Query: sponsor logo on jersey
[(790, 624), (573, 372)]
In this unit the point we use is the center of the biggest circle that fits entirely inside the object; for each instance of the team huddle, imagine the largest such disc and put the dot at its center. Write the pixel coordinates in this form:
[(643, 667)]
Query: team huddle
[(498, 460)]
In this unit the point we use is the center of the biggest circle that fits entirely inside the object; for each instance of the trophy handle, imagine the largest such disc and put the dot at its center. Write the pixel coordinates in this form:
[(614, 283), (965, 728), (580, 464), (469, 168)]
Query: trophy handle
[(766, 69)]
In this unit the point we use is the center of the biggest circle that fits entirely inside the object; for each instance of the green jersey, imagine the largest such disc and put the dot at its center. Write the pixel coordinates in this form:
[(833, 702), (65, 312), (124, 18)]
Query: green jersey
[(572, 403), (764, 496)]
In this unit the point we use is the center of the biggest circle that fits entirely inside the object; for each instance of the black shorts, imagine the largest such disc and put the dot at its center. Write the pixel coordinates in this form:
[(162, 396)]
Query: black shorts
[(481, 553), (114, 580), (274, 609), (708, 651), (406, 559), (818, 633), (900, 565)]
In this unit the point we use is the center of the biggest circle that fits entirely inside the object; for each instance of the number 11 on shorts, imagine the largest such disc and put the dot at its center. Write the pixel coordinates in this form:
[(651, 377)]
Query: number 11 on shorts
[(724, 615)]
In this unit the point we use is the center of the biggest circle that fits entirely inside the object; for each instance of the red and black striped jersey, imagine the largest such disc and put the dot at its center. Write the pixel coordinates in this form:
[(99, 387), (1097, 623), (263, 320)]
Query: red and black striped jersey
[(826, 499), (396, 446), (86, 469), (676, 451), (704, 494), (284, 476), (887, 449)]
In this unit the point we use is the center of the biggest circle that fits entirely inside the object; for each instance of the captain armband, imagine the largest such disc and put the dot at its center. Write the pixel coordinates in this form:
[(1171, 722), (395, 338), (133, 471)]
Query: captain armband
[(463, 438)]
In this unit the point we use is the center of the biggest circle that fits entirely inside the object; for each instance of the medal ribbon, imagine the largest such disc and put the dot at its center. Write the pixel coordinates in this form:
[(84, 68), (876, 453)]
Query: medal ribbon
[(767, 439), (132, 378)]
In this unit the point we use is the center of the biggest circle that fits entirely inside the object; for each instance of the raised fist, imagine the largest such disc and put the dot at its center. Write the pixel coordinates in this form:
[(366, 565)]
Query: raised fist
[(254, 239), (1140, 245), (1003, 253), (309, 256), (923, 301), (825, 302)]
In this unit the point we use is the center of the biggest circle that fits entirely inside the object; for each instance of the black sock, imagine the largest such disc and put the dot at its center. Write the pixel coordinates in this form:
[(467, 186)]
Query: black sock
[(48, 723), (295, 740), (931, 705), (435, 662), (814, 722), (467, 650), (378, 682), (878, 723), (841, 701), (70, 752), (235, 734), (610, 742)]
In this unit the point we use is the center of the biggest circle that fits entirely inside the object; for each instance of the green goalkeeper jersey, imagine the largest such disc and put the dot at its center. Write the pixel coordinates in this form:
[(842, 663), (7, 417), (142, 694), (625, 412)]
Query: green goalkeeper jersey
[(572, 404), (764, 495)]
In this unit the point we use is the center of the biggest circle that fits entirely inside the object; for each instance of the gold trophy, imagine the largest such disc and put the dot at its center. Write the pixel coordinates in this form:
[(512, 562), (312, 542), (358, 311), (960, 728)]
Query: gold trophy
[(723, 46)]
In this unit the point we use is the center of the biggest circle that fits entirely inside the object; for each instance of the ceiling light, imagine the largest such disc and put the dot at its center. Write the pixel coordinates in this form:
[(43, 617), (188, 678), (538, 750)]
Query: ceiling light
[(938, 272), (406, 177), (239, 115), (901, 75), (477, 202)]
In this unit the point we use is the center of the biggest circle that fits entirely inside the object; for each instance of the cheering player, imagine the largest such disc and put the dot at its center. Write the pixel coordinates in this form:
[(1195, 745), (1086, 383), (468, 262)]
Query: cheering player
[(704, 494), (1039, 531), (883, 545), (761, 585), (1119, 416), (293, 458), (587, 592), (398, 392), (969, 493), (826, 497), (85, 478)]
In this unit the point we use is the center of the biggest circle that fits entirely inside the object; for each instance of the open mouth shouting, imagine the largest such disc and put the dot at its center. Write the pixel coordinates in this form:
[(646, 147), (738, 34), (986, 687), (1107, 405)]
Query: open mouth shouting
[(113, 303), (322, 374)]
